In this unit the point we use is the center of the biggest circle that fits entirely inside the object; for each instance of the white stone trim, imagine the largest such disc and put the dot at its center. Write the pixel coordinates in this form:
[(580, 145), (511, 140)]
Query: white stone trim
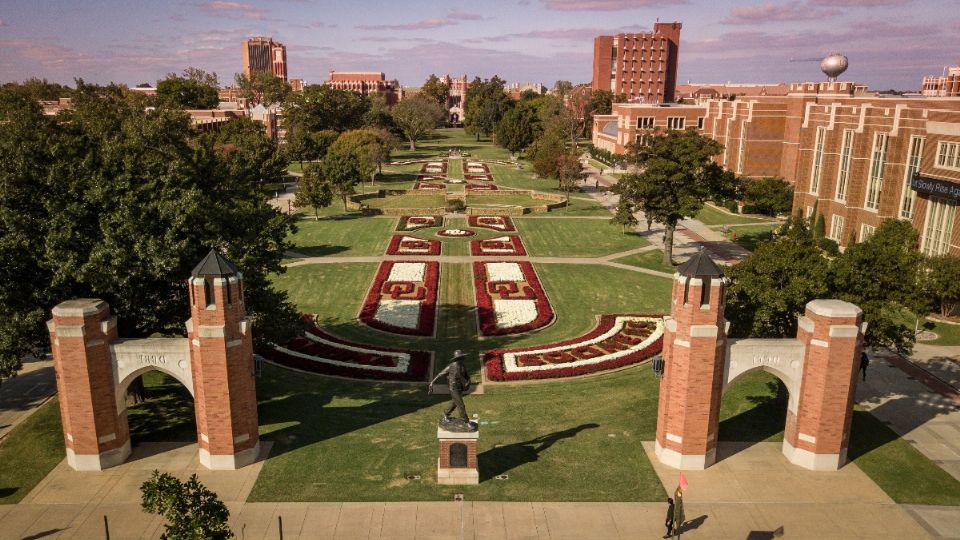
[(241, 438), (674, 438), (98, 462), (51, 326), (807, 438), (79, 308), (814, 462), (670, 324), (210, 331), (805, 324), (684, 462), (704, 330), (819, 343), (94, 343), (681, 343), (229, 462), (204, 438), (70, 331), (844, 331), (234, 343), (833, 308), (107, 325), (457, 476), (106, 438), (189, 325)]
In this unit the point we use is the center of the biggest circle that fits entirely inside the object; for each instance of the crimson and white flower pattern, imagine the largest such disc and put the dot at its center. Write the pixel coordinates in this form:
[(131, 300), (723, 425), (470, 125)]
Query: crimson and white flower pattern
[(429, 186), (409, 245), (412, 223), (455, 233), (510, 299), (403, 298), (481, 187), (507, 245), (496, 223)]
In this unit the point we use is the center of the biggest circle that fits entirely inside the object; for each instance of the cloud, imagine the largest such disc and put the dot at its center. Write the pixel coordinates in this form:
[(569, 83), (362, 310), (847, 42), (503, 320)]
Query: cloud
[(571, 34), (859, 3), (466, 16), (774, 13), (417, 25), (235, 10), (3, 23), (606, 5)]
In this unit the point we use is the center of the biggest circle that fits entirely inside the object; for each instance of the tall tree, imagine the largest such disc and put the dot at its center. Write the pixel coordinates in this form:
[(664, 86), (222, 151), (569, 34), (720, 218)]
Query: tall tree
[(192, 511), (769, 195), (313, 190), (678, 176), (342, 170), (557, 117), (545, 152), (943, 284), (601, 101), (417, 116), (486, 103), (202, 77), (562, 88), (178, 91), (320, 107), (369, 147), (263, 88), (378, 115), (436, 89), (518, 128), (624, 216), (580, 103)]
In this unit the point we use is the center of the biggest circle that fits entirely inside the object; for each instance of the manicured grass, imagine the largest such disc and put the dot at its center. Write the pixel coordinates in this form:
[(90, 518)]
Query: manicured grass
[(408, 201), (346, 237), (455, 168), (948, 334), (750, 236), (575, 237), (710, 215), (29, 452), (648, 259), (510, 177), (520, 199), (440, 141), (337, 440)]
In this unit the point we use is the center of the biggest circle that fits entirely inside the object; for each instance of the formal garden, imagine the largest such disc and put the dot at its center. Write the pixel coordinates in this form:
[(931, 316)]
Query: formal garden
[(559, 312)]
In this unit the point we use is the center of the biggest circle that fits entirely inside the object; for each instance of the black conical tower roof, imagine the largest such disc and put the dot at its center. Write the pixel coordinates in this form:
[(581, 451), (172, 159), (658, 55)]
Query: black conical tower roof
[(215, 265), (700, 265)]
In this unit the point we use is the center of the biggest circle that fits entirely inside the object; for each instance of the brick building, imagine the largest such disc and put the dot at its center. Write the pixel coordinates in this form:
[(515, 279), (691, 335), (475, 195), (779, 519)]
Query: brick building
[(264, 54), (641, 66), (946, 86), (457, 98), (724, 90), (859, 156), (365, 83)]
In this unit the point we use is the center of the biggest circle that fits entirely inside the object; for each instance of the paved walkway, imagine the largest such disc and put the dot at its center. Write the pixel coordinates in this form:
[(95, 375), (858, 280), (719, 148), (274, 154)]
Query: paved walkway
[(21, 395)]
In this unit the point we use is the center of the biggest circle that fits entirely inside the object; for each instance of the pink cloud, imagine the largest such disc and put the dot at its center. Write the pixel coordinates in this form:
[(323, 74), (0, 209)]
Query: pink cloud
[(859, 3), (3, 23), (606, 5), (235, 10), (417, 25), (774, 13), (466, 16), (572, 34)]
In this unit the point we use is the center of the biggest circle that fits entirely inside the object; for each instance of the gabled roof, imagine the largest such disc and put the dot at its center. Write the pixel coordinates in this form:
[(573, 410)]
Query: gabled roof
[(215, 265), (700, 265)]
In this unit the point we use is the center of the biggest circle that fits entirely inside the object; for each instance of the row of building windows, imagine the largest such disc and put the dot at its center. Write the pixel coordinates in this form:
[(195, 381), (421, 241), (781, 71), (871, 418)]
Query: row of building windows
[(948, 156), (935, 239), (673, 122)]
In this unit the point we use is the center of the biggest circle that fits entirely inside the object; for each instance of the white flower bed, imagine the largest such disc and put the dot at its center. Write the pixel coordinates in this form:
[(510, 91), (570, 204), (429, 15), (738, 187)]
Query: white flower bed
[(399, 313), (416, 222), (403, 359), (505, 271), (493, 222), (455, 232), (510, 312), (479, 170), (498, 250), (405, 249), (510, 359), (403, 271)]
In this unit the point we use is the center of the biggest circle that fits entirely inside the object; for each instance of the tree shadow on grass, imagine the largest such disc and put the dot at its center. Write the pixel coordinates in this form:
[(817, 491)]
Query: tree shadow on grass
[(166, 415), (499, 460), (762, 421), (320, 251)]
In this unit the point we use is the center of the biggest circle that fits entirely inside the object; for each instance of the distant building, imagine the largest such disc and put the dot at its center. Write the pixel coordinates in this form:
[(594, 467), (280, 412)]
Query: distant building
[(264, 54), (297, 85), (726, 90), (641, 66), (946, 86), (365, 83), (52, 107), (144, 89), (856, 156), (516, 89), (457, 98)]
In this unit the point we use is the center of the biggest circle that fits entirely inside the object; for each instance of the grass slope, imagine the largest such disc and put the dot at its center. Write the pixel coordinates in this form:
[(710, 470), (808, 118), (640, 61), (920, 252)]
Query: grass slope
[(575, 237)]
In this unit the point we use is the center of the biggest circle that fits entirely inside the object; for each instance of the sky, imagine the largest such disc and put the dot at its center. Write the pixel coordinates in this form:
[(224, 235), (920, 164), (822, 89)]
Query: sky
[(890, 43)]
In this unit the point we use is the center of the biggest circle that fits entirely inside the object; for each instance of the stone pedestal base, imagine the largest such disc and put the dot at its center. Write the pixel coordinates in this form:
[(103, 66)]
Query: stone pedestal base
[(685, 462), (814, 462), (229, 462), (98, 462), (458, 457)]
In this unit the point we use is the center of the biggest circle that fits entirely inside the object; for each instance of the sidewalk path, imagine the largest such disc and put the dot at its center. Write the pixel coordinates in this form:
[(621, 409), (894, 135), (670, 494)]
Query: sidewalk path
[(21, 395)]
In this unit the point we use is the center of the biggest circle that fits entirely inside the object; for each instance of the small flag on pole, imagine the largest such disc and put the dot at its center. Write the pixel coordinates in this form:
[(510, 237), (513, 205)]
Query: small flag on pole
[(683, 482)]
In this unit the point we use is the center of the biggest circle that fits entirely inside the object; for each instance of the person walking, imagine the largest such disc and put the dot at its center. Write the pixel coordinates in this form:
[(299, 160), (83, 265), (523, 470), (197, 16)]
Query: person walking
[(678, 515), (669, 522), (864, 363)]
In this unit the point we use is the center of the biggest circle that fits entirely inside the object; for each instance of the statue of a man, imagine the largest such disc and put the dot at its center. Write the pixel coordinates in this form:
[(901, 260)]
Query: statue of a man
[(458, 381)]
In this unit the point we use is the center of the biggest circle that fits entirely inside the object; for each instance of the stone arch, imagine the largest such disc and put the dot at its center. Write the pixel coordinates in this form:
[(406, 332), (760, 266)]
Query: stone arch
[(134, 357)]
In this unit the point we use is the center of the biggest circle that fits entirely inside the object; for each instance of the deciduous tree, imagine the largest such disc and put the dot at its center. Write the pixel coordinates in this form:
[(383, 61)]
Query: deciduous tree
[(319, 107), (436, 89), (263, 88), (486, 103), (624, 216), (313, 190), (417, 116), (341, 169), (518, 128), (192, 511), (943, 284), (177, 91), (769, 195)]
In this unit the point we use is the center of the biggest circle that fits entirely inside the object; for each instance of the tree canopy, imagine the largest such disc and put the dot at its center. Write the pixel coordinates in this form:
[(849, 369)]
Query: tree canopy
[(416, 116), (192, 511), (194, 89), (436, 89), (263, 88), (769, 195), (319, 107), (486, 103)]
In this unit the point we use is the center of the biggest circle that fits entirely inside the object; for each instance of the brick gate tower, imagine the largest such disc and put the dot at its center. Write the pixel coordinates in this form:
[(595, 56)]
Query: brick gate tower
[(221, 347), (694, 341)]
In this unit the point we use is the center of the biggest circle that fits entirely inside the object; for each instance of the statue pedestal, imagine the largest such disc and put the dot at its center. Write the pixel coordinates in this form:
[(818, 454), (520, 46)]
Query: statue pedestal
[(458, 457)]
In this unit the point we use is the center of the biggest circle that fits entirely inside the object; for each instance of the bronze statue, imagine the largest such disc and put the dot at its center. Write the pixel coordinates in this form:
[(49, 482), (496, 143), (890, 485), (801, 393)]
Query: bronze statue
[(458, 381)]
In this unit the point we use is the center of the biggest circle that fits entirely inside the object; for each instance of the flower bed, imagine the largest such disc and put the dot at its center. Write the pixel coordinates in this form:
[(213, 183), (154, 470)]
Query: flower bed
[(403, 298), (618, 340), (412, 223), (476, 167), (478, 177), (455, 233), (320, 352), (501, 245), (408, 245), (510, 299), (438, 168), (496, 223), (429, 186), (481, 187), (429, 178)]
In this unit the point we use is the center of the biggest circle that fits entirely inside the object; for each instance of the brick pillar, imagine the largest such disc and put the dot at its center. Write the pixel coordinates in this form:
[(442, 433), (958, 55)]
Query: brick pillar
[(95, 433), (221, 350), (694, 352), (817, 435)]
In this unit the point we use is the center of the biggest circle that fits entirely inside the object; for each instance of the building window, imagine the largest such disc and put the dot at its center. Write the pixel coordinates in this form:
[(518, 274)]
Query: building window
[(844, 171), (836, 227), (878, 160), (700, 122), (938, 226), (675, 122), (913, 165), (948, 155), (645, 122), (809, 212), (641, 139), (866, 231), (817, 160)]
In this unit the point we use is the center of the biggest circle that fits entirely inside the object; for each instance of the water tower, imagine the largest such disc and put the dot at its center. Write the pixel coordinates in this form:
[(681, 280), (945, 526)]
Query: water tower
[(833, 66)]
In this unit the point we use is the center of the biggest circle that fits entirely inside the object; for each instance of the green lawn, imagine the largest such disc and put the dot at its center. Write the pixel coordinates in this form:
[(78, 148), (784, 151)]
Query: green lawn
[(520, 199), (652, 260), (345, 237), (710, 215), (949, 334), (430, 200), (750, 236), (440, 141), (455, 168), (29, 452), (575, 237)]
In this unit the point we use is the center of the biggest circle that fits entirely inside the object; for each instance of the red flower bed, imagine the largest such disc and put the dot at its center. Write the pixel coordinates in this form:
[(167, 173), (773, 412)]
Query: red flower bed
[(481, 187), (443, 168), (496, 223), (471, 164), (320, 352), (413, 223), (601, 349), (478, 177), (502, 245), (385, 292), (487, 291), (408, 245), (429, 186)]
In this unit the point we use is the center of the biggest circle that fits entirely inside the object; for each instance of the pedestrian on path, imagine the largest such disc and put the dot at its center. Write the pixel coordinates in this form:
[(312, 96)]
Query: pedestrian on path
[(596, 184), (649, 223), (678, 515), (669, 522), (864, 363)]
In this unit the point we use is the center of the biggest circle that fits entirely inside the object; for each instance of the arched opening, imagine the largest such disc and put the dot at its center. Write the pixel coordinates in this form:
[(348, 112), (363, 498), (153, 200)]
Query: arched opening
[(166, 413), (753, 409)]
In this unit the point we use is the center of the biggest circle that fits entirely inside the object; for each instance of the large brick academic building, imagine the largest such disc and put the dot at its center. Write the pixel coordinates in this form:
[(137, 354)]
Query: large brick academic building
[(641, 66), (859, 157)]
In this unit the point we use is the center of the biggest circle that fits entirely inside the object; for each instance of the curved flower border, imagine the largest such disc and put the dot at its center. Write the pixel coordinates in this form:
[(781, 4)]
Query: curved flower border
[(414, 223), (397, 247), (428, 307), (532, 291), (503, 246), (485, 222), (320, 352), (580, 356), (446, 233)]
